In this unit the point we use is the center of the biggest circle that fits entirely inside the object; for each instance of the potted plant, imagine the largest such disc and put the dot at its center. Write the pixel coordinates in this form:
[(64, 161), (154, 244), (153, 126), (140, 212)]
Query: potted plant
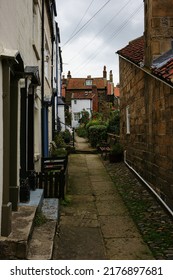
[(116, 153)]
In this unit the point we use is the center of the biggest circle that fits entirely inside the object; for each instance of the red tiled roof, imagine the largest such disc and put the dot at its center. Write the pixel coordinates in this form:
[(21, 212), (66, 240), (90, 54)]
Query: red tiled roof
[(165, 71), (134, 51), (79, 83), (83, 95)]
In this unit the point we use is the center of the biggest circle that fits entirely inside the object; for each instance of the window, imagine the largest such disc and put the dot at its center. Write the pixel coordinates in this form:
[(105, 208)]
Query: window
[(128, 120), (88, 82), (75, 101), (76, 116), (46, 60), (36, 29)]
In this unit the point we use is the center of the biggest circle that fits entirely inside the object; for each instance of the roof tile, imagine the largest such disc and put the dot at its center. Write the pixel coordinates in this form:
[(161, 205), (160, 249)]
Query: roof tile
[(79, 83), (134, 51), (165, 71)]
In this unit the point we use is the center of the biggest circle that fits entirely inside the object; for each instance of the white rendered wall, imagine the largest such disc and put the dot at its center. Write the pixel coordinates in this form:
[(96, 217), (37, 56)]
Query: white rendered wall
[(80, 105)]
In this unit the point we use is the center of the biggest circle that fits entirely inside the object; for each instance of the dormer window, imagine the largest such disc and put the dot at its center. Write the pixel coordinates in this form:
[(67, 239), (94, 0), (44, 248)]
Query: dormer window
[(88, 82)]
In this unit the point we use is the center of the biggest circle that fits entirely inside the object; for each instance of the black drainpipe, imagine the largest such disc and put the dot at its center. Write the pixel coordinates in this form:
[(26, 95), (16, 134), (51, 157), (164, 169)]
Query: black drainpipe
[(52, 61), (42, 82)]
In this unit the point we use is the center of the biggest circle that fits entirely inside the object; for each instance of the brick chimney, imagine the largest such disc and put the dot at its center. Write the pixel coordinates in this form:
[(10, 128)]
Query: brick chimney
[(69, 75), (158, 16), (111, 76), (104, 72)]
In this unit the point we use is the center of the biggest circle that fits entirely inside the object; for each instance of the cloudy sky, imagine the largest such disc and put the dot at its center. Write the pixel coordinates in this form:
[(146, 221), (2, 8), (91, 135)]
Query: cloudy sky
[(92, 31)]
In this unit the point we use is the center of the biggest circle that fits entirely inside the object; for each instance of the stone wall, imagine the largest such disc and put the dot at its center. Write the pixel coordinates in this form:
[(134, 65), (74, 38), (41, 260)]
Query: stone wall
[(158, 28), (149, 143)]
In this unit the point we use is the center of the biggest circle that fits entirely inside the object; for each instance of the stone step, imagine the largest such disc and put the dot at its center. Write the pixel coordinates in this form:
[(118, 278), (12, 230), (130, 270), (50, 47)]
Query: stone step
[(15, 246), (41, 242)]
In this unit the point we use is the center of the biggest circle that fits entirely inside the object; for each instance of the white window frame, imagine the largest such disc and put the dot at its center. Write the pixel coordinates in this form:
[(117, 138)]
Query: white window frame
[(76, 116), (88, 82), (128, 120)]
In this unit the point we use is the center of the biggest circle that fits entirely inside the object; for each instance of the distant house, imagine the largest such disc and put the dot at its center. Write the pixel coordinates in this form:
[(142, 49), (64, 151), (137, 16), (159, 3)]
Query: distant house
[(81, 102), (146, 99), (100, 87)]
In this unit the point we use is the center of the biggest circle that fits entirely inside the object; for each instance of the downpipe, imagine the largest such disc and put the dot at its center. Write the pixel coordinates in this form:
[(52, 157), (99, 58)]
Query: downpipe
[(149, 187)]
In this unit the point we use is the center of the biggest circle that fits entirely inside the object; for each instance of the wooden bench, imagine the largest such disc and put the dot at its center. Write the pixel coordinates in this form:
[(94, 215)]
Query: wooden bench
[(105, 147), (51, 163)]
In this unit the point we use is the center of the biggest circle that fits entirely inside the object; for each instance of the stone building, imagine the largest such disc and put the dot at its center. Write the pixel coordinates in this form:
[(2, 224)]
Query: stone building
[(146, 99)]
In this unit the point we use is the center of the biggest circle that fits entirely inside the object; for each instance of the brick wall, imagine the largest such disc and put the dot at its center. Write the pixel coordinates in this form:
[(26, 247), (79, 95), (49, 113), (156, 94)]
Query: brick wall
[(150, 142)]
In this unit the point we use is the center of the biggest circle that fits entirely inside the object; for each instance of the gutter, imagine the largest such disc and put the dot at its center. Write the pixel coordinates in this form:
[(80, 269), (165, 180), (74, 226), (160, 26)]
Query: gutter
[(148, 186), (146, 71)]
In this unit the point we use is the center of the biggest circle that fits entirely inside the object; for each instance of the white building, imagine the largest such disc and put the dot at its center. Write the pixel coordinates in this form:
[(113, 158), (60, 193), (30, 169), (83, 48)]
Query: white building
[(80, 102), (26, 76)]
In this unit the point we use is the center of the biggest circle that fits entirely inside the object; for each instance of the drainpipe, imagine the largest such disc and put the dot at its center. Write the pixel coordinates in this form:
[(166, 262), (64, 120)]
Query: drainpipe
[(148, 186), (52, 74), (42, 80)]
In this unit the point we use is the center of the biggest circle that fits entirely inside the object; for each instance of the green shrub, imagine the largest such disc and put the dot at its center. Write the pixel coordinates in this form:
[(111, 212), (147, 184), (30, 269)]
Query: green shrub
[(59, 141), (116, 149), (66, 136), (81, 131), (114, 122), (94, 122), (97, 134), (84, 117)]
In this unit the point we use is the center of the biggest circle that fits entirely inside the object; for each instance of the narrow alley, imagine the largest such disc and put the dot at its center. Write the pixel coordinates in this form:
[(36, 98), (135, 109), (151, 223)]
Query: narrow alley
[(95, 223)]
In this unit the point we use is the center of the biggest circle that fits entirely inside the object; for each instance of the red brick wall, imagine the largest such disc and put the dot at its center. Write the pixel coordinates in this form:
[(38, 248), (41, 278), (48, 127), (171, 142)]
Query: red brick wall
[(150, 142)]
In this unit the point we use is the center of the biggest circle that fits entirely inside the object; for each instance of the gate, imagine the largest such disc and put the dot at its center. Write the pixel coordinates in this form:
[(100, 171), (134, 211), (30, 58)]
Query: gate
[(53, 184)]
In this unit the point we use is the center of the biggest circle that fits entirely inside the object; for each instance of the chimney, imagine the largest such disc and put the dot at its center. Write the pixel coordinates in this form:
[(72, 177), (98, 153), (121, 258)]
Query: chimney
[(158, 17), (104, 72), (111, 76), (69, 75)]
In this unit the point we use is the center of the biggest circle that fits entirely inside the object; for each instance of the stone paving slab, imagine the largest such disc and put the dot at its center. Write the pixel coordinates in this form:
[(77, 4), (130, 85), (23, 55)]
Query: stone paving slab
[(96, 224), (118, 226), (79, 243), (111, 209), (127, 249)]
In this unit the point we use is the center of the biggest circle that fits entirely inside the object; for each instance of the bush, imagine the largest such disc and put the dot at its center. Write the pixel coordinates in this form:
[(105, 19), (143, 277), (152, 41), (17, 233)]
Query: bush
[(114, 122), (54, 151), (97, 134), (81, 131), (66, 135), (59, 141), (94, 122), (85, 117)]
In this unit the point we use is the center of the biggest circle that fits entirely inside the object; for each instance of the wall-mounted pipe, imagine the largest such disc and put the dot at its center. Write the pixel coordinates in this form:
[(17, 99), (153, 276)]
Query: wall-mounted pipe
[(151, 189), (42, 79)]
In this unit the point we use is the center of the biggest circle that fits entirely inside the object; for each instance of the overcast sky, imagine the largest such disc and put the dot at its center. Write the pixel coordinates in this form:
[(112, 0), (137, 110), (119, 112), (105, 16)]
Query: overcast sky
[(91, 32)]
